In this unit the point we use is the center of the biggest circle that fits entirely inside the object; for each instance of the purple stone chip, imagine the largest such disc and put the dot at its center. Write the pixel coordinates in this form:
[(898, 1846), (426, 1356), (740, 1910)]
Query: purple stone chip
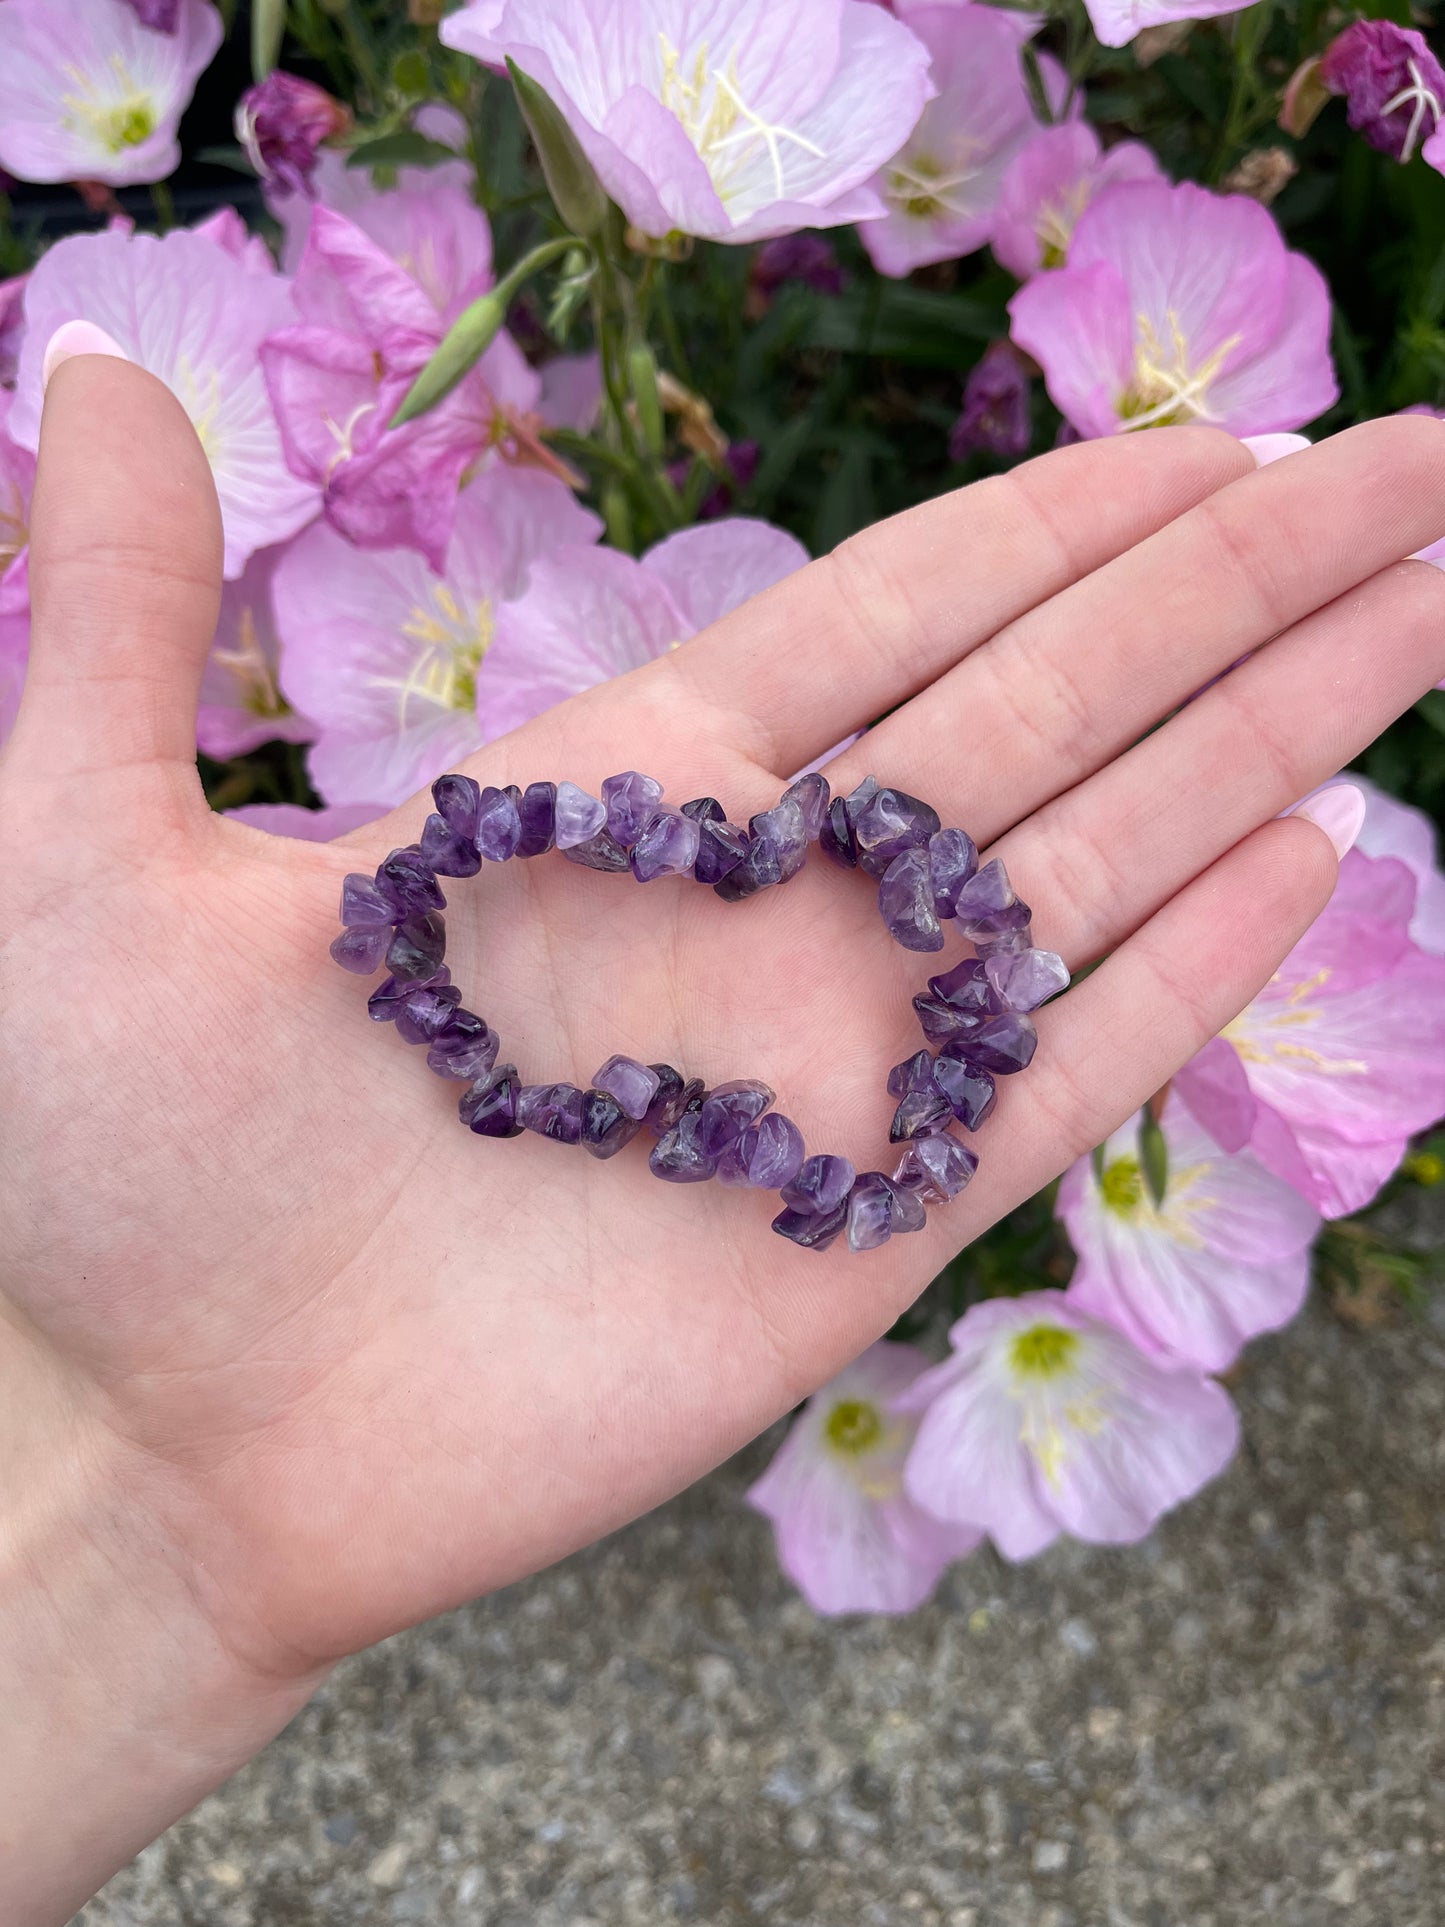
[(813, 1230), (629, 799), (417, 948), (942, 1021), (768, 1154), (666, 846), (448, 853), (467, 1048), (956, 1002), (678, 1156), (666, 1107), (759, 869), (578, 817), (952, 862), (877, 1208), (606, 1127), (537, 812), (426, 1012), (389, 995), (409, 883), (489, 1107), (821, 1185), (890, 822), (835, 839), (721, 846), (633, 1085), (913, 1074), (783, 829), (986, 906), (810, 793), (969, 1090), (499, 825), (456, 798), (920, 1113), (361, 951), (600, 852), (1024, 979), (905, 902), (364, 906), (552, 1111), (1003, 1044), (729, 1110), (937, 1168)]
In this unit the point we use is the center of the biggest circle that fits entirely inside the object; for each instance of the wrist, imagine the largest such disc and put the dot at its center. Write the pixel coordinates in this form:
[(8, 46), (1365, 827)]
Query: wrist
[(124, 1703)]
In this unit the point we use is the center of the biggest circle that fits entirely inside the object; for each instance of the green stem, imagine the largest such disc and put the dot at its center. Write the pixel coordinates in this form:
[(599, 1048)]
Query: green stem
[(164, 206)]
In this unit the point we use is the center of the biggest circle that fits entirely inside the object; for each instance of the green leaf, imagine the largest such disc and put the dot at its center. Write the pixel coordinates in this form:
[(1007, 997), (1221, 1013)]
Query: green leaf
[(1432, 708), (403, 148), (1153, 1157), (906, 323)]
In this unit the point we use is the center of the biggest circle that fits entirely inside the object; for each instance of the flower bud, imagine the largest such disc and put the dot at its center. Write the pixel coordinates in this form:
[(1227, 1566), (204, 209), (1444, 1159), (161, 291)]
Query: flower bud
[(268, 25), (282, 122), (461, 347), (1393, 84), (576, 192)]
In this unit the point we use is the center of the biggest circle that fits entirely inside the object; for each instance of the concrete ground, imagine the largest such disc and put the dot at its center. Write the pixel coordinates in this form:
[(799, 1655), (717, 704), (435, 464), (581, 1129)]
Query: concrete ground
[(1241, 1721)]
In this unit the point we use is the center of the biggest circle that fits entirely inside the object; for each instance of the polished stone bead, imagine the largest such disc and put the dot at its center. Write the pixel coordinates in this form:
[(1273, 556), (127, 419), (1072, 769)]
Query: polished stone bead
[(1024, 979), (835, 839), (1002, 1044), (890, 822), (552, 1111), (537, 812), (409, 883), (1006, 943), (905, 902), (467, 1048), (600, 852), (784, 829), (810, 793), (986, 905), (499, 826), (969, 1090), (721, 846), (942, 1021), (389, 995), (877, 1208), (920, 1113), (417, 948), (666, 1106), (666, 846), (965, 987), (629, 799), (952, 861), (729, 1110), (821, 1185), (606, 1127), (489, 1107), (448, 854), (361, 951), (678, 1156), (456, 798), (426, 1012), (363, 905), (633, 1085), (936, 1168), (813, 1230), (768, 1154), (578, 817), (705, 809), (758, 870), (857, 800), (913, 1074)]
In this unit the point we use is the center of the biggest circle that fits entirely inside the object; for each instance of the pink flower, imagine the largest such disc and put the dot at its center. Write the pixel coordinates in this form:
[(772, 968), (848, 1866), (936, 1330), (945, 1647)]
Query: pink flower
[(194, 314), (848, 1535), (1116, 22), (736, 121), (1178, 305), (391, 660), (1394, 85), (163, 15), (1341, 1058), (592, 614), (87, 92), (428, 222), (17, 480), (941, 188), (1046, 1420), (1394, 829), (997, 414), (230, 233), (241, 703), (282, 122), (12, 326), (311, 826), (1224, 1256), (372, 315), (14, 650), (1048, 186)]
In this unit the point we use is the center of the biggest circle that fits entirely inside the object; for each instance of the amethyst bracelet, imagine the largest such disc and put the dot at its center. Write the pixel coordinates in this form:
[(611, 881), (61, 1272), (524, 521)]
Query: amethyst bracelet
[(976, 1015)]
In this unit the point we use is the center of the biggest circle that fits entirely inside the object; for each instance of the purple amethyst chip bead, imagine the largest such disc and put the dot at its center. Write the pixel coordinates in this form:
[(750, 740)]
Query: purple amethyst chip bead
[(629, 799), (1003, 1044), (364, 905), (678, 1155), (937, 1168), (600, 852), (890, 822), (552, 1111), (952, 862), (489, 1107), (417, 948), (606, 1127), (456, 798), (578, 817), (813, 1230), (426, 1012), (666, 846), (971, 1092), (449, 854), (361, 951), (920, 1113), (821, 1185), (1024, 979), (810, 793), (633, 1085), (409, 883), (905, 902), (767, 1155), (467, 1048), (389, 995), (537, 811), (877, 1208), (729, 1110), (499, 825)]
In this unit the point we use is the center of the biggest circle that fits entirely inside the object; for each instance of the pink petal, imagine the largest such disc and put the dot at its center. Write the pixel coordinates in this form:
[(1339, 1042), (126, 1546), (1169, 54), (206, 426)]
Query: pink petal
[(714, 568)]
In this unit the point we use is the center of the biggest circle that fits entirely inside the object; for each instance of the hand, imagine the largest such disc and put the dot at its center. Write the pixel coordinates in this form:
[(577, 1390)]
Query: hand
[(302, 1359)]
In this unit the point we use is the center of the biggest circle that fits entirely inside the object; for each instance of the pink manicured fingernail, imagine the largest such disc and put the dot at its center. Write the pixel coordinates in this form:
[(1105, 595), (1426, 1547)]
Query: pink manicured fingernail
[(1339, 811), (77, 338), (1269, 448)]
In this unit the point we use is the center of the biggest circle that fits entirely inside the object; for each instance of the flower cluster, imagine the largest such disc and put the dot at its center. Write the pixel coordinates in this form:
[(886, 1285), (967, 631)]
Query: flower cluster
[(456, 491)]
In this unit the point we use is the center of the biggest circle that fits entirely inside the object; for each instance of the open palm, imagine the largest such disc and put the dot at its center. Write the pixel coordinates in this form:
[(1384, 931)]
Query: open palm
[(358, 1364)]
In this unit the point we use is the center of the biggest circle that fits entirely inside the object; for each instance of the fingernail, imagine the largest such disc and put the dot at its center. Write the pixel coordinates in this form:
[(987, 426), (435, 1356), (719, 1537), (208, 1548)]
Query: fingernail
[(1339, 811), (77, 338), (1269, 448)]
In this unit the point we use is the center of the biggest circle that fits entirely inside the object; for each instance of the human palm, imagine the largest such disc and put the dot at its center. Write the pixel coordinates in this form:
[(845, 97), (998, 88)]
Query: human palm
[(357, 1364)]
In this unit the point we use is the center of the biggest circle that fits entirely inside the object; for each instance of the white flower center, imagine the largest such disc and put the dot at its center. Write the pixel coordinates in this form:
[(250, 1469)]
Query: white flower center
[(113, 109), (1166, 389), (1266, 1032), (1421, 101), (255, 678), (13, 531), (708, 103), (1055, 222), (924, 189), (454, 639)]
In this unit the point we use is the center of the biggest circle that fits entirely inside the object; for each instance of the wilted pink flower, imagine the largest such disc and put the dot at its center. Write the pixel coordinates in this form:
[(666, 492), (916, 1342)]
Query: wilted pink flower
[(997, 418), (1048, 186), (941, 188), (1178, 305), (194, 314), (1393, 85), (1047, 1420), (310, 826), (1341, 1058), (736, 121), (282, 122), (372, 314), (391, 661), (1116, 22), (17, 480), (848, 1535), (590, 614), (163, 15), (241, 703), (1224, 1256), (87, 92), (807, 258)]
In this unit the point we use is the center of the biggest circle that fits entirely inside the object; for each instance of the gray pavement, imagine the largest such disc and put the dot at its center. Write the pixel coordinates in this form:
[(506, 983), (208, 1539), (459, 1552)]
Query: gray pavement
[(1241, 1721)]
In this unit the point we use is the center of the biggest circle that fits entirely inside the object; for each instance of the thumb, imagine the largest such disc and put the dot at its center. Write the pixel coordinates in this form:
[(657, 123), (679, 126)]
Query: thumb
[(125, 575)]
